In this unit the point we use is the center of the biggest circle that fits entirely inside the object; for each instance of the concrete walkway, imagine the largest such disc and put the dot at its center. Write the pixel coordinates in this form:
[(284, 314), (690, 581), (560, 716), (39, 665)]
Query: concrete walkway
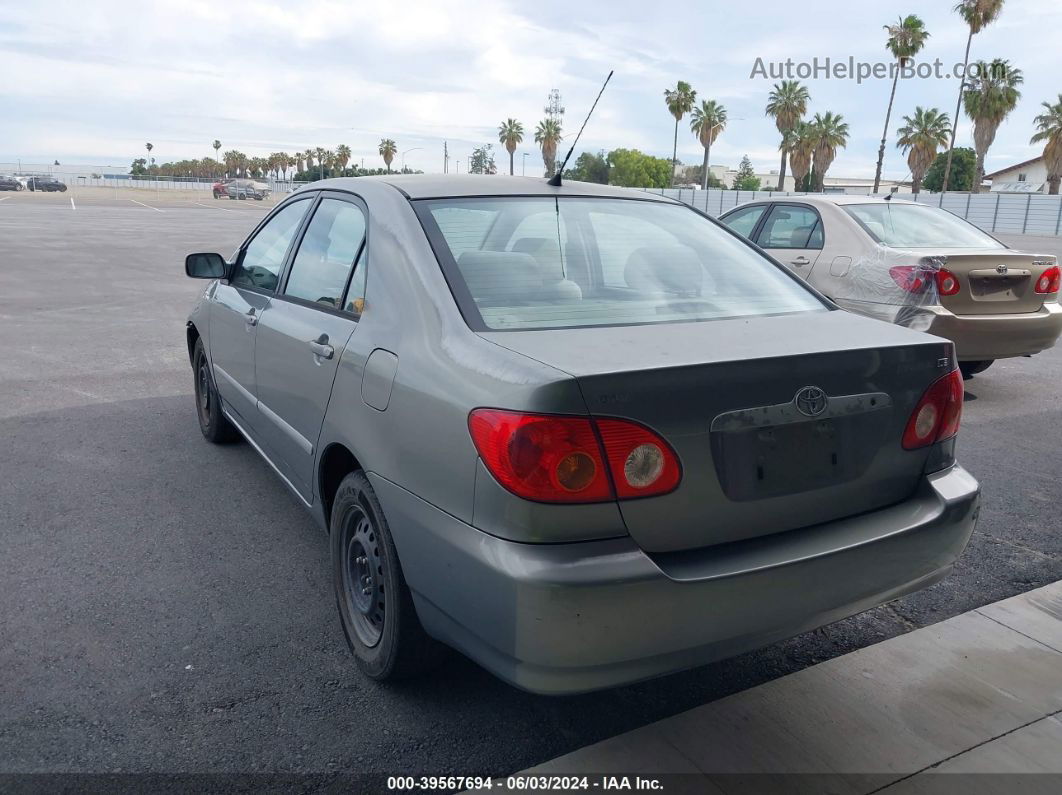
[(979, 693)]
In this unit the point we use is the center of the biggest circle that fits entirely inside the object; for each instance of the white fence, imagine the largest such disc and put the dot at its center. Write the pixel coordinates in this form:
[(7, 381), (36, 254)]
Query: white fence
[(1008, 213)]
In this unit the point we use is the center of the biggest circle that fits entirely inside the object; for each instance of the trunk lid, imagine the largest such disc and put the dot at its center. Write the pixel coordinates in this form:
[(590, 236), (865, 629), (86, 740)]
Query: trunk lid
[(994, 281), (723, 394)]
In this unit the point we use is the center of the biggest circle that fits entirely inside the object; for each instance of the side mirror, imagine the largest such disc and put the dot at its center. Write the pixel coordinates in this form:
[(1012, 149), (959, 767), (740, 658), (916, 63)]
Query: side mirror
[(205, 266)]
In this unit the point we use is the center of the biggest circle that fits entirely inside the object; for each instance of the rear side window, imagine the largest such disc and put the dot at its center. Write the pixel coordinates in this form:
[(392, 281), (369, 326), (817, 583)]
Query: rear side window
[(745, 220), (601, 262), (327, 253), (789, 226), (262, 258)]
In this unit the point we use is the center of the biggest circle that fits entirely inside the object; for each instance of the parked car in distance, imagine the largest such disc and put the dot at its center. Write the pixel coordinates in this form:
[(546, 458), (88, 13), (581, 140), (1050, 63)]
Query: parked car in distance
[(247, 189), (8, 182), (916, 265), (45, 184), (220, 188), (584, 435)]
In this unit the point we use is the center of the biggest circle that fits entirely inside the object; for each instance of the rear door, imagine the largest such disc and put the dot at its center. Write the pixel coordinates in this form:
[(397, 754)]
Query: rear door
[(792, 234), (745, 219), (303, 335), (240, 302)]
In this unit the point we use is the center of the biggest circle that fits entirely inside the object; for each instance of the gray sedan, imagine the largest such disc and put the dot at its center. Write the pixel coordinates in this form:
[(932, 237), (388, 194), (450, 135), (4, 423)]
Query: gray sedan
[(583, 435)]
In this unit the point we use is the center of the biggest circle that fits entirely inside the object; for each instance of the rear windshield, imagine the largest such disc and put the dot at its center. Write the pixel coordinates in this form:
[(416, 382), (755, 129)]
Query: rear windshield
[(916, 226), (544, 262)]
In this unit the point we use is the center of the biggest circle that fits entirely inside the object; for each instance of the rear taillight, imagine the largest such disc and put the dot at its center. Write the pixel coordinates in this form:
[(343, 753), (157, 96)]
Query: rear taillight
[(911, 278), (937, 415), (1049, 280), (564, 459), (947, 282)]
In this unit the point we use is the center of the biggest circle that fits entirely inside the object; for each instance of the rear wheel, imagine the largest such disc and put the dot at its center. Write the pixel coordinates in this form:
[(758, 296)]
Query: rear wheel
[(214, 425), (970, 369), (375, 604)]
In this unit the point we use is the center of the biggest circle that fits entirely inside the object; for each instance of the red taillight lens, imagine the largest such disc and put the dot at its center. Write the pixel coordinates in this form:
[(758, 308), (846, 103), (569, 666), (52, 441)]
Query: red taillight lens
[(912, 278), (1049, 280), (642, 464), (541, 457), (551, 458), (947, 282), (937, 415)]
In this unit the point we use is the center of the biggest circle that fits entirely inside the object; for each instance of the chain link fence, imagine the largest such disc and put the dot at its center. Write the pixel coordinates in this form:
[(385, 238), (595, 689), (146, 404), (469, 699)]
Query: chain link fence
[(1006, 213)]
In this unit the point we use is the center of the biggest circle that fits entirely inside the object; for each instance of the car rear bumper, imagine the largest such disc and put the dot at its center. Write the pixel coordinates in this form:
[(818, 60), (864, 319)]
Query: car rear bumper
[(568, 618), (979, 337)]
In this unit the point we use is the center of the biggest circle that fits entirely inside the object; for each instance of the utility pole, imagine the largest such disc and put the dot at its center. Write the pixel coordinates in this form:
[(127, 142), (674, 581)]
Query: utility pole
[(523, 165), (446, 158), (554, 109)]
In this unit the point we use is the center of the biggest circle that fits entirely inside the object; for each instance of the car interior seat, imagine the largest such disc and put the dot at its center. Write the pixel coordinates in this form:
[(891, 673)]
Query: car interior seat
[(670, 270)]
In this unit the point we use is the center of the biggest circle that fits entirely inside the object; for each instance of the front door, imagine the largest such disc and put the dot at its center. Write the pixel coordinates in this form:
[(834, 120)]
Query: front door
[(239, 305), (303, 335), (792, 234)]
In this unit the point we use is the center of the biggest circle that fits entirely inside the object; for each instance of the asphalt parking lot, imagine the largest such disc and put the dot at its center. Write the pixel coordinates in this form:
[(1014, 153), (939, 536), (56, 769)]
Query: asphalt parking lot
[(167, 604)]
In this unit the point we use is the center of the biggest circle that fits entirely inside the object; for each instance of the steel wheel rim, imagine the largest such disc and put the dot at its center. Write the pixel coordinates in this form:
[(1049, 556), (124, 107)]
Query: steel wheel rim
[(363, 578), (203, 389)]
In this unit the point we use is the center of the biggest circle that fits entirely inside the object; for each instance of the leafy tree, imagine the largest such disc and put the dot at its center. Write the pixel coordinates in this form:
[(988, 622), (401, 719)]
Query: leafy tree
[(589, 168), (139, 167), (510, 134), (920, 137), (991, 99), (1049, 131), (548, 136), (388, 150), (633, 169), (695, 175), (679, 101), (830, 133), (906, 38), (977, 14), (963, 166), (786, 104), (482, 160), (708, 121), (746, 178)]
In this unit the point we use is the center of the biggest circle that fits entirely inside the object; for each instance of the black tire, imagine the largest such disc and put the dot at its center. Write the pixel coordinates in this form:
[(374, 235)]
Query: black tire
[(215, 426), (970, 369), (375, 605)]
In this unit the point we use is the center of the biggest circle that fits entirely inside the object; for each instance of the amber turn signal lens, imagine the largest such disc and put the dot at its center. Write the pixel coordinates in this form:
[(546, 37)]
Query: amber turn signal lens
[(576, 471)]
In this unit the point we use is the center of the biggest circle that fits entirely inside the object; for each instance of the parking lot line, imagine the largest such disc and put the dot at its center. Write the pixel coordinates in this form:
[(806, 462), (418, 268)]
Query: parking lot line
[(72, 205), (156, 209), (223, 209), (5, 198)]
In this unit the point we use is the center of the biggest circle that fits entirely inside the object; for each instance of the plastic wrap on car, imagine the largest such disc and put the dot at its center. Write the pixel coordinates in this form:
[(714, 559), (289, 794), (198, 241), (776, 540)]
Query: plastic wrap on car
[(873, 285)]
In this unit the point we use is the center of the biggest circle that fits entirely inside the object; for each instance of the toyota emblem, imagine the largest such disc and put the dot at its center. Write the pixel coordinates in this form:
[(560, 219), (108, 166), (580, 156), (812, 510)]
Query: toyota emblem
[(811, 401), (1002, 268)]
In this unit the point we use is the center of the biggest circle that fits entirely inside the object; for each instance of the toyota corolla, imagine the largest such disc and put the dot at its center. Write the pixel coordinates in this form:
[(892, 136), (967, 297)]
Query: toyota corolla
[(583, 435)]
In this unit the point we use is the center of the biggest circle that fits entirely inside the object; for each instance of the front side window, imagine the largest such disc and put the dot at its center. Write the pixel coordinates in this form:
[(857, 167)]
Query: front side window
[(744, 221), (326, 254), (789, 226), (263, 257), (917, 226), (601, 262)]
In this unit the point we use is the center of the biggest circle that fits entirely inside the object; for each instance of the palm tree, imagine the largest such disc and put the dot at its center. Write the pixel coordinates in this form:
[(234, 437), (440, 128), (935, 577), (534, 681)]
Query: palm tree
[(309, 154), (342, 157), (1049, 126), (679, 102), (787, 103), (388, 150), (547, 136), (920, 138), (510, 133), (830, 132), (988, 101), (217, 148), (906, 38), (149, 146), (978, 14), (799, 142), (707, 122)]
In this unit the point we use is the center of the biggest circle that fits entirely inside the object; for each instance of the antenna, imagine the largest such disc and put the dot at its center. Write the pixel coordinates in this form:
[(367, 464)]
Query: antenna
[(555, 180)]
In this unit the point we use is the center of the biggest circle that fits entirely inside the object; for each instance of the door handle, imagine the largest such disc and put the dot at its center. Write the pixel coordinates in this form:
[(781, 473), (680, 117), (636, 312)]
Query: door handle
[(251, 319), (801, 260), (320, 347)]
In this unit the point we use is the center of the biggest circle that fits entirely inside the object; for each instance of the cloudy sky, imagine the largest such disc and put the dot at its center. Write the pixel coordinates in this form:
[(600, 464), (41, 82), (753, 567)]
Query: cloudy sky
[(90, 82)]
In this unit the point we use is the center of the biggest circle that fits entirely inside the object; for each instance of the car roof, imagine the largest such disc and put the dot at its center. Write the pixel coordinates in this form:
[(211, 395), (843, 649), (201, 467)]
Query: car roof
[(831, 199), (435, 186)]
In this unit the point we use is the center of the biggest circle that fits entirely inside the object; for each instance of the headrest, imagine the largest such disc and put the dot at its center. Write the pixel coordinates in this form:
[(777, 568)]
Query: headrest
[(502, 276), (664, 269), (546, 252)]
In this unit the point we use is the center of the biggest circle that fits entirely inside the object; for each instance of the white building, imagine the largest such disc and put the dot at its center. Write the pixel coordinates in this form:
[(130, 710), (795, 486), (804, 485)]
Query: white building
[(1027, 177), (769, 181)]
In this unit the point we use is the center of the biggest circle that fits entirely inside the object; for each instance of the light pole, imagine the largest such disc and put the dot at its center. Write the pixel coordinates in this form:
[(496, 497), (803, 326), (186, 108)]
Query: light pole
[(523, 165), (414, 149)]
